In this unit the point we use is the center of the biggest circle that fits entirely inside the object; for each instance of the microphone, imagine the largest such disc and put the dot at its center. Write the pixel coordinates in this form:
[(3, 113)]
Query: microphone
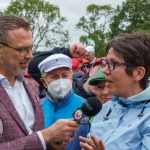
[(89, 108)]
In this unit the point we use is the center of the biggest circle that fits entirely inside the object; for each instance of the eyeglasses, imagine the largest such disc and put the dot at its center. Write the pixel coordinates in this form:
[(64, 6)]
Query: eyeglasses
[(86, 66), (23, 50), (112, 64)]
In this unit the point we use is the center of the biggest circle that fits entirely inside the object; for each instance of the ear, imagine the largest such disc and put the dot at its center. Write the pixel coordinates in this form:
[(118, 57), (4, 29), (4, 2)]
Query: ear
[(44, 83), (139, 73)]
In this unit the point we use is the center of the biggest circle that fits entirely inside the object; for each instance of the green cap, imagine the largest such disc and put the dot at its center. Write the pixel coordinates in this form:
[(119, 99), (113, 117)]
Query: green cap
[(99, 76)]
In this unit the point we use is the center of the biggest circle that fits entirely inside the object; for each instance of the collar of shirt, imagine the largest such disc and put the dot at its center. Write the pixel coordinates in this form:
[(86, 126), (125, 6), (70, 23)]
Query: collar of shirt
[(118, 102), (139, 98), (5, 82), (93, 60), (63, 103)]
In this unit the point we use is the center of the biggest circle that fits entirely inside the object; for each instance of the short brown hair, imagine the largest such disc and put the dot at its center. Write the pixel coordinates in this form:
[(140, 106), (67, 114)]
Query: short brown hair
[(135, 49), (10, 22)]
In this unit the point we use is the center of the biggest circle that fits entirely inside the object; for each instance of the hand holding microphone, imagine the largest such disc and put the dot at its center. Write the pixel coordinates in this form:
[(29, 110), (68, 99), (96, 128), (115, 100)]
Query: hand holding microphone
[(89, 108)]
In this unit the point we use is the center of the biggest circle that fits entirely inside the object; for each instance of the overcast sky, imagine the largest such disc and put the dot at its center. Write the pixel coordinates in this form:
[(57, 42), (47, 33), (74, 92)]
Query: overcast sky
[(72, 10)]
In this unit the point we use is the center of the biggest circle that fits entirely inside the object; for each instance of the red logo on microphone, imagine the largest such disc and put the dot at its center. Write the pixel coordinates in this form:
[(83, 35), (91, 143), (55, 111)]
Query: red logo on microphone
[(84, 120), (78, 114)]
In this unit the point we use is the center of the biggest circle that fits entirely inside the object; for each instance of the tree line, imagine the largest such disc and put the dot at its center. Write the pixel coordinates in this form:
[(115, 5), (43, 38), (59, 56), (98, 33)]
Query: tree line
[(101, 23)]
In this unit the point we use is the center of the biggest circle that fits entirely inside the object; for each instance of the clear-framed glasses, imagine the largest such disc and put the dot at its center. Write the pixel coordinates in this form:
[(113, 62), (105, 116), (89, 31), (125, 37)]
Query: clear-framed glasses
[(23, 50), (112, 64)]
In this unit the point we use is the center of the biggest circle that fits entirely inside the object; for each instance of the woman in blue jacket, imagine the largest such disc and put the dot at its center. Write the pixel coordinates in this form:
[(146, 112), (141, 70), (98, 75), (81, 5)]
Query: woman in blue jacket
[(124, 122)]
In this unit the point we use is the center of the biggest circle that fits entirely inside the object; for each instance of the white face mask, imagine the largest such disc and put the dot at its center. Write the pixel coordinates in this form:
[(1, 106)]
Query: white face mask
[(60, 88)]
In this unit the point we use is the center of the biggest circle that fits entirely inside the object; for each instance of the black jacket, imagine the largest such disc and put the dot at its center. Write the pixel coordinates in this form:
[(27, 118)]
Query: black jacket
[(78, 87)]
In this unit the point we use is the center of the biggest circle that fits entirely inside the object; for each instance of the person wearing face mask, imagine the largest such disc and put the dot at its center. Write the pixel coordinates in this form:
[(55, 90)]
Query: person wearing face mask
[(60, 101)]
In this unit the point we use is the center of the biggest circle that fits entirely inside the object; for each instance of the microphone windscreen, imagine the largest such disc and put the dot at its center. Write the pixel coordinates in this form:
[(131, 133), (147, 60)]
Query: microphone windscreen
[(91, 106)]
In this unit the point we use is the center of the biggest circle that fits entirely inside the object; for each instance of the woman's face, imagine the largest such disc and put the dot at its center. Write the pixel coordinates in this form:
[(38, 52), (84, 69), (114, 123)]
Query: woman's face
[(119, 83)]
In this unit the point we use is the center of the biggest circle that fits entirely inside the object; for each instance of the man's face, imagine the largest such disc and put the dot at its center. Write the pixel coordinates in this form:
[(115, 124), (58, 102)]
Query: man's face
[(93, 71), (86, 68), (90, 56), (102, 92), (11, 62), (60, 73)]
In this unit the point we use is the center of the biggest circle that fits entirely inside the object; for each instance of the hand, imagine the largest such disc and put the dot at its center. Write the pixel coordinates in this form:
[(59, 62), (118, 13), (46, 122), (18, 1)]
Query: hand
[(58, 146), (91, 144), (77, 50), (60, 131)]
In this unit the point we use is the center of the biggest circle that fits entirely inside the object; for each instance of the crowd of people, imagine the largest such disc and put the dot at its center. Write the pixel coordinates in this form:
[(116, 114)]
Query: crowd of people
[(40, 93)]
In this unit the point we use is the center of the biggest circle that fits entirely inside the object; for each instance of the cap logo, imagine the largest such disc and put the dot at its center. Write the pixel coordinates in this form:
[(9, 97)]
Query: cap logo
[(78, 114), (84, 120)]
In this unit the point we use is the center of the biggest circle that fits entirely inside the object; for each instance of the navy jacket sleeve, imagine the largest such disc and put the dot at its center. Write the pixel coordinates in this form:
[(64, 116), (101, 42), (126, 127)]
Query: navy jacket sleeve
[(83, 131), (34, 62)]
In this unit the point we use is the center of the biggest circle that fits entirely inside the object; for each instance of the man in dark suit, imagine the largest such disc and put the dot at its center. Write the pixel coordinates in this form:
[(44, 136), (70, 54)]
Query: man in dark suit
[(21, 116)]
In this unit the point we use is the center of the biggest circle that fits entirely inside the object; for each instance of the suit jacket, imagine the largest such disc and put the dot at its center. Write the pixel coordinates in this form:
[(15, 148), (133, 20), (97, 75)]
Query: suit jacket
[(13, 132)]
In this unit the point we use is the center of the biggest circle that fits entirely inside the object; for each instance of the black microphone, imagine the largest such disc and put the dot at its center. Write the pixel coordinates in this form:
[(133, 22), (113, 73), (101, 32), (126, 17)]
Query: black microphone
[(89, 108)]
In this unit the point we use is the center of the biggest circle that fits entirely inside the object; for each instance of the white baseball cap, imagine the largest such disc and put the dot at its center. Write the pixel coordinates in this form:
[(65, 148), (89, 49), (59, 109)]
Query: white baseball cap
[(55, 61), (90, 49)]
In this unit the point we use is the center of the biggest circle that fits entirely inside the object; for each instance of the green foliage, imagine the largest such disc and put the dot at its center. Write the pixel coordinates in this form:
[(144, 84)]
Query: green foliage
[(45, 18), (144, 26), (104, 23), (133, 15), (101, 23), (37, 52), (96, 27)]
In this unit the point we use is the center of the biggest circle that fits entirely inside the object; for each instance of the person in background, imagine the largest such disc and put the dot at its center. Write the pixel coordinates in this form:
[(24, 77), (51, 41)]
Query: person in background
[(76, 50), (40, 90), (81, 85), (78, 83), (21, 116), (57, 77), (75, 65), (91, 55), (80, 62), (124, 122), (98, 80), (80, 69), (76, 68), (85, 66)]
